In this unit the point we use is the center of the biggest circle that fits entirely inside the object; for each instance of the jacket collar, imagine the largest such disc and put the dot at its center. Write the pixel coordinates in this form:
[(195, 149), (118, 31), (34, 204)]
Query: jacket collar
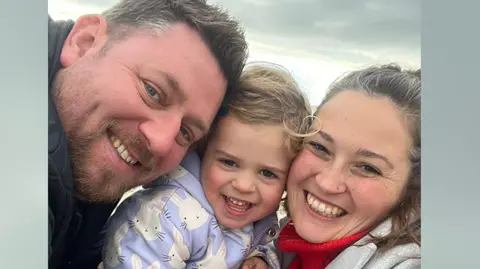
[(365, 255)]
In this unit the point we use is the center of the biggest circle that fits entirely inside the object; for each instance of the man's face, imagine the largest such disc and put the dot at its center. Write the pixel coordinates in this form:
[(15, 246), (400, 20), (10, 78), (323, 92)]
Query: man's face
[(132, 111)]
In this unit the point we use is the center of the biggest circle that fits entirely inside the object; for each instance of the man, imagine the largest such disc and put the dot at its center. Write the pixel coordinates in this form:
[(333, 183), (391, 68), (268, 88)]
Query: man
[(129, 92)]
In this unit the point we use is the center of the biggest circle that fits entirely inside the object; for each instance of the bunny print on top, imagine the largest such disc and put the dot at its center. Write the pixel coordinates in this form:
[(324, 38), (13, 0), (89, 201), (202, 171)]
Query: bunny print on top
[(213, 260), (113, 256), (170, 224), (147, 223), (190, 212)]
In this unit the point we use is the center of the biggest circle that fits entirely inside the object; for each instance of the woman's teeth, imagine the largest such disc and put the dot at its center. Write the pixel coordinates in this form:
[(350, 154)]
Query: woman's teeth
[(122, 150), (324, 209)]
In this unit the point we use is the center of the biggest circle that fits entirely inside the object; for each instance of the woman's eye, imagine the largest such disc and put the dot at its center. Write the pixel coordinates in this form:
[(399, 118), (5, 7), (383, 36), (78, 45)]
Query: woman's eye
[(318, 147), (370, 170), (151, 92), (228, 162), (268, 174)]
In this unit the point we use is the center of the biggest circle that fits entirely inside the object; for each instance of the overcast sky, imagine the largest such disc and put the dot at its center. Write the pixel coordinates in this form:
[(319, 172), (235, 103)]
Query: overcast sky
[(317, 40)]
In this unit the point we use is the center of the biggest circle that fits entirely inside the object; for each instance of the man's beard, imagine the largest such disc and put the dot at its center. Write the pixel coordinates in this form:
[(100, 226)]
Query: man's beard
[(100, 183), (91, 185), (94, 181)]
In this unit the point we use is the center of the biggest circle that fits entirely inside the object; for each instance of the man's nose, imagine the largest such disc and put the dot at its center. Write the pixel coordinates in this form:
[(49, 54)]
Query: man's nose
[(160, 134)]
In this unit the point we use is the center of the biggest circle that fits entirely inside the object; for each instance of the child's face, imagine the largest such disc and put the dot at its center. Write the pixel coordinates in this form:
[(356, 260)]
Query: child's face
[(244, 171)]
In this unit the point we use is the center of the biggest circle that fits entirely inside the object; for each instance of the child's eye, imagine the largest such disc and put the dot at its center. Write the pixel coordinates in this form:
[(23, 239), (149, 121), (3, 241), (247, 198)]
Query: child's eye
[(267, 174), (228, 162)]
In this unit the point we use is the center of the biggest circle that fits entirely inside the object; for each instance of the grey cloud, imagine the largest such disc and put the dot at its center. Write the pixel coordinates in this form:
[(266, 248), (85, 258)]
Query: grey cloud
[(338, 25), (339, 29), (99, 3)]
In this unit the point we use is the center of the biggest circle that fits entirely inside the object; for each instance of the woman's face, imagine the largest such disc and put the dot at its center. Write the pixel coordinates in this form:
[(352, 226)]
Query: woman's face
[(352, 173)]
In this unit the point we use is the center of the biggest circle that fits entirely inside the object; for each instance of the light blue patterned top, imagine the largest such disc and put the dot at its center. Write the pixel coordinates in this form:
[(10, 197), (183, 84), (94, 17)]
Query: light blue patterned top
[(170, 224)]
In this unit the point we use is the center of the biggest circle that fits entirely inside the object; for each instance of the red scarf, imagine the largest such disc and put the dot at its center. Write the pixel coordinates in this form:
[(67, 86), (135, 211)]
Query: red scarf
[(312, 256)]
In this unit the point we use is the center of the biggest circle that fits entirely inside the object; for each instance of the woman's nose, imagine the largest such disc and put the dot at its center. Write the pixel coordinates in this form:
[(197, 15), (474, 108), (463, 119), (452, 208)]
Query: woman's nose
[(331, 180)]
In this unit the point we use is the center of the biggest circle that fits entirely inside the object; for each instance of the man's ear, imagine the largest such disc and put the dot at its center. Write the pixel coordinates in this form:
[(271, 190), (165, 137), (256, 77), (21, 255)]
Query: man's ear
[(87, 37)]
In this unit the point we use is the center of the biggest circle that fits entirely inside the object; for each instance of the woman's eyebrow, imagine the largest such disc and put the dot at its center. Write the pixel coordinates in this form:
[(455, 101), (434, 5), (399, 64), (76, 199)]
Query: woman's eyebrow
[(326, 136), (370, 154)]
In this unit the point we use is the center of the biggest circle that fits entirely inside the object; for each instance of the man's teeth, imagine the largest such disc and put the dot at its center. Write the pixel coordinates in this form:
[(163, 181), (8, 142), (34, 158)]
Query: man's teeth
[(322, 208), (122, 150)]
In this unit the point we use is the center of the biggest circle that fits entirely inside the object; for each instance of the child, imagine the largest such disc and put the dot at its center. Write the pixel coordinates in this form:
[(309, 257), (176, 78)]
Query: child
[(218, 212)]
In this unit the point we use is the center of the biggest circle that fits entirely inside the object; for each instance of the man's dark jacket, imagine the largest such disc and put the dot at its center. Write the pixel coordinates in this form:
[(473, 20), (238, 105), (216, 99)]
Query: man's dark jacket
[(74, 236)]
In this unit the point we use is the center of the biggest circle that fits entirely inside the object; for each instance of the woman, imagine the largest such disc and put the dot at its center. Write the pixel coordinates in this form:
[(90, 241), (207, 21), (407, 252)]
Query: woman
[(353, 193)]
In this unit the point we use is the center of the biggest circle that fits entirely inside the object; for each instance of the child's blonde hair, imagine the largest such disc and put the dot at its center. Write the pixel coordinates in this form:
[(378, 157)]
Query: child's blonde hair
[(268, 94)]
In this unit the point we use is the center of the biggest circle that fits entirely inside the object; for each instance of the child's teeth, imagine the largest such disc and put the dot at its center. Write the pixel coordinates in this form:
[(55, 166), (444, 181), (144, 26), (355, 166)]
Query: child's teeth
[(237, 202)]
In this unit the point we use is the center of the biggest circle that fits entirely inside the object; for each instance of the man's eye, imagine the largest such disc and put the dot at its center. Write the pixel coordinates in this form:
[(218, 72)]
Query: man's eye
[(185, 134), (185, 137), (151, 92)]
